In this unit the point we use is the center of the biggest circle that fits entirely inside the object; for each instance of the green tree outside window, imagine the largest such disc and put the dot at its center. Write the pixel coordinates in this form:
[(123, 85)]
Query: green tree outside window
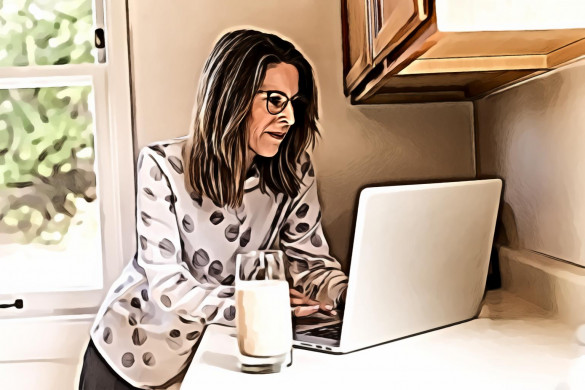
[(46, 134)]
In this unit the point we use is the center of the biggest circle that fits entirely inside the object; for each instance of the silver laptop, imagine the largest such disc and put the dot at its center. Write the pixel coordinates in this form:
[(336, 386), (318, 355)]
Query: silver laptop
[(419, 262)]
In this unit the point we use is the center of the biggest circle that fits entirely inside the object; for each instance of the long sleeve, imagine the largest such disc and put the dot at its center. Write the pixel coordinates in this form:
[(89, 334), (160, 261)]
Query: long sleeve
[(170, 284), (311, 267)]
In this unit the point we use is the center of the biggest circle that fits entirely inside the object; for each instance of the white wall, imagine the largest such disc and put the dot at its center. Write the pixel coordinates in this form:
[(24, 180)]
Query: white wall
[(43, 352), (360, 144), (533, 136)]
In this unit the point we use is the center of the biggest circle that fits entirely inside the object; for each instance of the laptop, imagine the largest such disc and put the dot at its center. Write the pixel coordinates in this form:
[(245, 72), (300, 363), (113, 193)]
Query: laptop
[(419, 262)]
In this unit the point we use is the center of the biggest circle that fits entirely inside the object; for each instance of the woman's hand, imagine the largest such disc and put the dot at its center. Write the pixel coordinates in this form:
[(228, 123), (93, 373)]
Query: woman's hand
[(304, 306)]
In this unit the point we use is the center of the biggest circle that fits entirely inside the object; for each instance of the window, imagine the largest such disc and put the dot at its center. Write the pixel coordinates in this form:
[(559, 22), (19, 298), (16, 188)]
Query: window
[(66, 206)]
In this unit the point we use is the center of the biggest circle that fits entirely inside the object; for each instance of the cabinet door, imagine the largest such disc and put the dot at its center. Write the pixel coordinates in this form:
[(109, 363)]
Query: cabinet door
[(393, 21), (356, 15)]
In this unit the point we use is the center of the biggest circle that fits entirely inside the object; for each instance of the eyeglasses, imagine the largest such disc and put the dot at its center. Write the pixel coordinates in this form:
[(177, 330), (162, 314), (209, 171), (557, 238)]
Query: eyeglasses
[(276, 101)]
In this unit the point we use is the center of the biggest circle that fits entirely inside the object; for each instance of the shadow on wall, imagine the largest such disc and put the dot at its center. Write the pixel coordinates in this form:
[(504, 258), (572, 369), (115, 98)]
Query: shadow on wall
[(506, 228)]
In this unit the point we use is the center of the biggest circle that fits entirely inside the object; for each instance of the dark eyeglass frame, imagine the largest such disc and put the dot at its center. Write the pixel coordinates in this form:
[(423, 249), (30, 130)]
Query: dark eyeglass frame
[(294, 99)]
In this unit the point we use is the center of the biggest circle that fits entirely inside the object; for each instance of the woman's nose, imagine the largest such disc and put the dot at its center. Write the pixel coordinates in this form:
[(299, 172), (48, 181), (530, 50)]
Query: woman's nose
[(288, 114)]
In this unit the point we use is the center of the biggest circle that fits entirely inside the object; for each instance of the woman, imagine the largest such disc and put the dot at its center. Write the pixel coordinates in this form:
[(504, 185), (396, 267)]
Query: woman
[(241, 179)]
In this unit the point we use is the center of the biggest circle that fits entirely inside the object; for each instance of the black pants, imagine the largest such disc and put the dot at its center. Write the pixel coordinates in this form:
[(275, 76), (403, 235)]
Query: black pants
[(96, 373)]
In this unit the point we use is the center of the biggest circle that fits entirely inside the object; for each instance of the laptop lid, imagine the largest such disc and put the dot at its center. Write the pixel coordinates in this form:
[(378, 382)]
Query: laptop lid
[(420, 259)]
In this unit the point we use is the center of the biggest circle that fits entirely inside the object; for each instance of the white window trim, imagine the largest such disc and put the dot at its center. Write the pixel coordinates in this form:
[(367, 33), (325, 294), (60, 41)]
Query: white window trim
[(121, 136)]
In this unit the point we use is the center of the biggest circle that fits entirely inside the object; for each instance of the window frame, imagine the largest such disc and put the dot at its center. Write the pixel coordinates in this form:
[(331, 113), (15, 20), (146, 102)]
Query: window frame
[(114, 151)]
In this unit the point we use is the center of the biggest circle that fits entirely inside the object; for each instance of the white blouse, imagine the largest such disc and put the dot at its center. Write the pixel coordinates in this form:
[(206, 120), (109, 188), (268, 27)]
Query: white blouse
[(182, 277)]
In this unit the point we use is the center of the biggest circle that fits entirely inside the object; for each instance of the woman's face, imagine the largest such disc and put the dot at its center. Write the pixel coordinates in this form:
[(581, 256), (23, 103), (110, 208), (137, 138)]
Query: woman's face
[(265, 130)]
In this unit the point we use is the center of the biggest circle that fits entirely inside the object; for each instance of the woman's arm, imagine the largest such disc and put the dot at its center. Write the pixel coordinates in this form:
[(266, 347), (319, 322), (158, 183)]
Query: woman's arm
[(171, 286), (313, 270)]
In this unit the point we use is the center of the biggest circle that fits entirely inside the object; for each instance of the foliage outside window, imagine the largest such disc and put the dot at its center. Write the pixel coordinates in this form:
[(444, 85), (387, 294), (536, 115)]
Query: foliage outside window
[(46, 134), (45, 32)]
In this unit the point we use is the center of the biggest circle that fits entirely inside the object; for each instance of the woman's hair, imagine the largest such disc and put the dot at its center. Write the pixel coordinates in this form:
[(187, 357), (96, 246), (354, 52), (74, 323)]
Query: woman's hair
[(217, 147)]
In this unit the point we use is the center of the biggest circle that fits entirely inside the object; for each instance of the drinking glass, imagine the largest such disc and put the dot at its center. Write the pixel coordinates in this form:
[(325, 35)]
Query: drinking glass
[(263, 312)]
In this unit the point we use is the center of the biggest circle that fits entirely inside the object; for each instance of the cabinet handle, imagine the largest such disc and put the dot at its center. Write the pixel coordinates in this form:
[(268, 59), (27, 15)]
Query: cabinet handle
[(378, 13), (423, 11), (17, 303)]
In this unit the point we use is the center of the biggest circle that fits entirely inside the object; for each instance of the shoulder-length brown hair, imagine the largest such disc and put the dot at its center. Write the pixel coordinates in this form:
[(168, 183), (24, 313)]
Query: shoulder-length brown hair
[(217, 147)]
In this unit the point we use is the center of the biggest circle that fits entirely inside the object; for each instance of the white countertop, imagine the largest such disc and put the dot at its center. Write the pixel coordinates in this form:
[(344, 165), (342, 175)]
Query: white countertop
[(512, 345)]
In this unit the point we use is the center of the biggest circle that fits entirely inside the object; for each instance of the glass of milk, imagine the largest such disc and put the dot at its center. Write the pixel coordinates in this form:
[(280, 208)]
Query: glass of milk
[(263, 312)]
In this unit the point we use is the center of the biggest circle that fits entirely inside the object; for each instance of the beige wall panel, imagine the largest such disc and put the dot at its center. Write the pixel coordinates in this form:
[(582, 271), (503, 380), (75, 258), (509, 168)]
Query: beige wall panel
[(533, 136)]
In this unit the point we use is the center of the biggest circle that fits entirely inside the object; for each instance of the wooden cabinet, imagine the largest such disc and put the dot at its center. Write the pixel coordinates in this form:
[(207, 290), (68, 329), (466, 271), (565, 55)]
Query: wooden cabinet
[(357, 53), (393, 22), (398, 51)]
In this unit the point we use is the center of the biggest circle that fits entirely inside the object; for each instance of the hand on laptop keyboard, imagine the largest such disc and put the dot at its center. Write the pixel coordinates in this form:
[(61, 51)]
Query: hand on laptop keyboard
[(303, 306)]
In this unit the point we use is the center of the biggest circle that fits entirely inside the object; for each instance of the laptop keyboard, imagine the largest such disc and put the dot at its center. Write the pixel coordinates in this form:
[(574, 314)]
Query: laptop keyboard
[(328, 332)]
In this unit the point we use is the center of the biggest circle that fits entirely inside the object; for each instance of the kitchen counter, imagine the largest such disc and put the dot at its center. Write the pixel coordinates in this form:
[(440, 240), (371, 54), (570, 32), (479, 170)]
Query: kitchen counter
[(511, 345)]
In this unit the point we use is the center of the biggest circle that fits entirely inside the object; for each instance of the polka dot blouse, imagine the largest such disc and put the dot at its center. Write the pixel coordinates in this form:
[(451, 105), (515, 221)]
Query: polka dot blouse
[(182, 276)]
